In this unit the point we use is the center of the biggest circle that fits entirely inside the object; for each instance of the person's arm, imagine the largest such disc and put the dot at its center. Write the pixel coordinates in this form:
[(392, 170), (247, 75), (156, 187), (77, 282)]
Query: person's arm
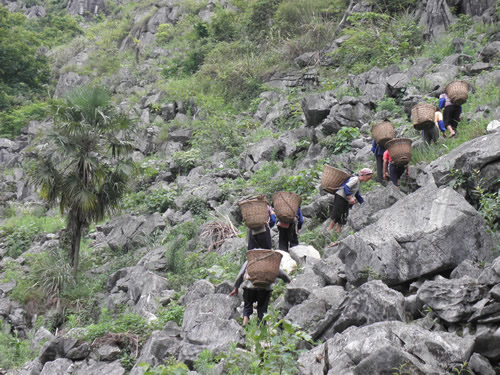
[(374, 146), (359, 198), (239, 278), (284, 276), (408, 170), (300, 220), (442, 102), (385, 169)]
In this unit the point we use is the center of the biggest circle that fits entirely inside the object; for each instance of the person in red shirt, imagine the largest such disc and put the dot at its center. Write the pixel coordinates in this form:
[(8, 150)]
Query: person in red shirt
[(393, 171)]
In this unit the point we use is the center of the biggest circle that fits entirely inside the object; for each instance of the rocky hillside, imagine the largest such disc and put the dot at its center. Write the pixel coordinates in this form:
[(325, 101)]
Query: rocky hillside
[(230, 99)]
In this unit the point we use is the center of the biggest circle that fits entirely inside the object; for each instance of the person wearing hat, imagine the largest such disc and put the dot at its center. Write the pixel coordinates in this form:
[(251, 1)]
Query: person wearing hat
[(344, 198), (260, 294)]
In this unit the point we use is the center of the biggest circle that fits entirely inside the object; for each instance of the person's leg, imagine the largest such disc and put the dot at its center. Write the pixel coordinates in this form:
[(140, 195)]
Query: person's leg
[(293, 233), (455, 117), (393, 175), (263, 297), (248, 300), (448, 120), (283, 238), (380, 168)]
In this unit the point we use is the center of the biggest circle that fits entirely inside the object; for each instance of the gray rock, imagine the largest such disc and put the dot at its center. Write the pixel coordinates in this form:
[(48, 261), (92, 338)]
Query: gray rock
[(425, 352), (107, 352), (491, 273), (480, 365), (484, 80), (198, 290), (69, 81), (56, 367), (488, 345), (331, 269), (301, 287), (375, 201), (78, 352), (372, 302), (491, 51), (350, 112), (467, 268), (160, 345), (92, 367), (316, 107), (451, 300), (477, 154), (129, 232), (426, 232)]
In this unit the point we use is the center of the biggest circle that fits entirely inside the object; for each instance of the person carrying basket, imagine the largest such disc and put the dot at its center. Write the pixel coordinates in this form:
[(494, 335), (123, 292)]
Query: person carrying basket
[(259, 293), (344, 198)]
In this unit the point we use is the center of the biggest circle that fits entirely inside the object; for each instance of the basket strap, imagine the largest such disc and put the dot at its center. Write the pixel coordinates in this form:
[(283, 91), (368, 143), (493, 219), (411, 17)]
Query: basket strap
[(261, 258), (290, 207)]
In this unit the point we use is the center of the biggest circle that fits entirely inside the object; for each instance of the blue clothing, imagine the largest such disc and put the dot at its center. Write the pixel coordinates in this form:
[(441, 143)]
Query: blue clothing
[(443, 103), (300, 222), (347, 191), (377, 149)]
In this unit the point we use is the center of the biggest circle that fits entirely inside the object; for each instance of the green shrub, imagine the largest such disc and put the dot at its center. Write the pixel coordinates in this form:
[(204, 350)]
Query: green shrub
[(197, 205), (187, 160), (304, 183), (158, 200), (377, 40), (223, 25), (15, 351), (14, 120), (390, 104), (271, 348), (19, 232), (344, 138)]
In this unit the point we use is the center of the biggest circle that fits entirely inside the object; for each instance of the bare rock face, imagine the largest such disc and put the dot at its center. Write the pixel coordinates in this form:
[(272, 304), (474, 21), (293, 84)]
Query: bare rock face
[(85, 7), (436, 18), (427, 232), (380, 347)]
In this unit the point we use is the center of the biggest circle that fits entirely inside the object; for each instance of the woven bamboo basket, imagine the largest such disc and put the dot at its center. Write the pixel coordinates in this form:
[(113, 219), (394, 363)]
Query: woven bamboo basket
[(457, 91), (423, 116), (383, 132), (263, 266), (286, 205), (400, 150), (333, 178), (254, 212)]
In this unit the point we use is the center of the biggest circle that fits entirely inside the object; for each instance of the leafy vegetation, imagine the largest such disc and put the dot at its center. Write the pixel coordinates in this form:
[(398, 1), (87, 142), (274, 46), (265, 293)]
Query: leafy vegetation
[(81, 164)]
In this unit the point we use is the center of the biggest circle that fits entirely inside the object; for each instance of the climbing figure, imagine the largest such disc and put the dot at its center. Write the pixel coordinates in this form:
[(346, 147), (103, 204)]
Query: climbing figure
[(431, 135), (452, 113), (261, 238), (344, 198), (394, 171), (260, 294), (378, 151), (288, 232)]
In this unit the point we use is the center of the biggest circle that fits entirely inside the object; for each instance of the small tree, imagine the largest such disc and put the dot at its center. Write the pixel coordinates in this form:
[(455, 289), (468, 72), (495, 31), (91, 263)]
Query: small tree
[(82, 162)]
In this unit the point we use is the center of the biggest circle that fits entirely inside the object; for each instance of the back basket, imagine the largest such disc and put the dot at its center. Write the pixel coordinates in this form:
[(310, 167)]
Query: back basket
[(383, 132), (286, 205), (263, 266), (457, 91), (400, 150), (423, 116), (333, 178), (254, 212)]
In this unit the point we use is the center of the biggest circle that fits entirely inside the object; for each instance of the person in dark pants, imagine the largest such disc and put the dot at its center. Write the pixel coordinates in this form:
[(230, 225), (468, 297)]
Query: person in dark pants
[(261, 238), (288, 233), (393, 171), (378, 151), (452, 113), (252, 294), (345, 198)]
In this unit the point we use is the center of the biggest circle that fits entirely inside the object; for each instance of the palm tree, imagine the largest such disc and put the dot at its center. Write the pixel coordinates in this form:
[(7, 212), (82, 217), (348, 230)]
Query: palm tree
[(82, 162)]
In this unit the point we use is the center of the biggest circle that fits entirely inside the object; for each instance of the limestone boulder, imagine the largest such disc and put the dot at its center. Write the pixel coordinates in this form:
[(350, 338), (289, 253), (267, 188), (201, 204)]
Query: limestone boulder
[(424, 233)]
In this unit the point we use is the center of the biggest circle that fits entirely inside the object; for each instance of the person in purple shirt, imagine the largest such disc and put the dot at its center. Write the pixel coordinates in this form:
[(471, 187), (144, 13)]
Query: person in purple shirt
[(452, 113)]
